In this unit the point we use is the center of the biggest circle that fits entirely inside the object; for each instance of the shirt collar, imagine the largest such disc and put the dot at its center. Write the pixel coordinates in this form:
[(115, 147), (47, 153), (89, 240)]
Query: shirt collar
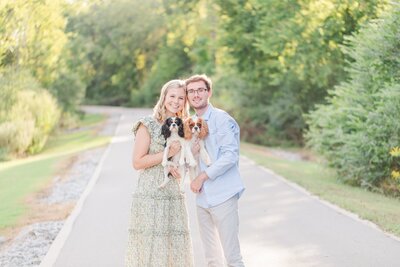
[(206, 116)]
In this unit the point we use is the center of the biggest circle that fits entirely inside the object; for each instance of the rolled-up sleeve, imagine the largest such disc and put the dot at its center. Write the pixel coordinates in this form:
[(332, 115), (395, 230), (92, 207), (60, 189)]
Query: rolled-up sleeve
[(226, 138)]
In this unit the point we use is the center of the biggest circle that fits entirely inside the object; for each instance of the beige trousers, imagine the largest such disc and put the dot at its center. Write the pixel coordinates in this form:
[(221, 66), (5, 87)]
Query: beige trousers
[(219, 226)]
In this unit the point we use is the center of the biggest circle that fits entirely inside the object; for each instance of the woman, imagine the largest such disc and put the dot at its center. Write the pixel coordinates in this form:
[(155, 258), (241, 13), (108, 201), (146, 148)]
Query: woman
[(159, 233)]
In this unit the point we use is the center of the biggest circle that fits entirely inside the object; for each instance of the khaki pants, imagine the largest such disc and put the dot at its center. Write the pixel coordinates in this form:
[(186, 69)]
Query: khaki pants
[(219, 226)]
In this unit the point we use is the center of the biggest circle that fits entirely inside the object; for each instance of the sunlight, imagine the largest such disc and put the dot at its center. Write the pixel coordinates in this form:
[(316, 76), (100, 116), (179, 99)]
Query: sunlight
[(272, 255)]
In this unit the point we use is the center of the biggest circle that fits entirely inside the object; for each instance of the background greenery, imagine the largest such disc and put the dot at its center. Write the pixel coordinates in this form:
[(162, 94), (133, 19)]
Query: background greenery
[(295, 72), (19, 179)]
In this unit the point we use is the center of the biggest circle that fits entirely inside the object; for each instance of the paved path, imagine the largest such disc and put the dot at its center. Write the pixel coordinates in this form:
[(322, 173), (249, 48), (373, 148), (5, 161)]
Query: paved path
[(281, 224)]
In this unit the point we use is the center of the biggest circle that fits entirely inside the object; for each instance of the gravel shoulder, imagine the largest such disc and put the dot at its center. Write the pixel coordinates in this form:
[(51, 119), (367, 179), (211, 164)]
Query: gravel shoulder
[(33, 241)]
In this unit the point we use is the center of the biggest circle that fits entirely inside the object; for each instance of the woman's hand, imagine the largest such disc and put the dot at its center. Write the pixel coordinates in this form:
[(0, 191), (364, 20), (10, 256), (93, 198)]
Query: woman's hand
[(174, 172), (174, 149)]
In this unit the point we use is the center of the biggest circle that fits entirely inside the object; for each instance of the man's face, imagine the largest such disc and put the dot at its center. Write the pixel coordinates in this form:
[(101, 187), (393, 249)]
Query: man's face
[(198, 94)]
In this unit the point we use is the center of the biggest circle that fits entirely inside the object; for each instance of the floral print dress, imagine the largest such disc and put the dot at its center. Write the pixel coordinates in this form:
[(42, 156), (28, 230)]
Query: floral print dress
[(158, 233)]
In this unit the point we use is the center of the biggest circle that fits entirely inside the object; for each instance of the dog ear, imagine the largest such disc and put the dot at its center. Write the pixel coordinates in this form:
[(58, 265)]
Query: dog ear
[(181, 133), (204, 129), (165, 131), (187, 130)]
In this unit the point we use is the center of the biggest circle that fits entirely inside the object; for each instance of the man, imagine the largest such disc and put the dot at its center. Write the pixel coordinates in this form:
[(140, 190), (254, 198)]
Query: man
[(218, 186)]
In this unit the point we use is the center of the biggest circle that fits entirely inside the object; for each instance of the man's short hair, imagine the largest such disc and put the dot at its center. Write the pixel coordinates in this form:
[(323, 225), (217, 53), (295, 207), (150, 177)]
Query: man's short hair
[(198, 77)]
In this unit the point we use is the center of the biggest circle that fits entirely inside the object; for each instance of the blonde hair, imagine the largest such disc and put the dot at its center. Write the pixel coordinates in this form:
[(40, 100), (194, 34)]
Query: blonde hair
[(159, 110), (198, 77)]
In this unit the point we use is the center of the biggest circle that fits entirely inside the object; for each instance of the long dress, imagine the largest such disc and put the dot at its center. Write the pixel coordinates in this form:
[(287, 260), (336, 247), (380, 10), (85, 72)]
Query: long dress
[(158, 233)]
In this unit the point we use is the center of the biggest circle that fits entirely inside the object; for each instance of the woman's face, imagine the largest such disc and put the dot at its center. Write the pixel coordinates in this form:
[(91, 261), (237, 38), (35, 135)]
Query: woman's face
[(174, 101)]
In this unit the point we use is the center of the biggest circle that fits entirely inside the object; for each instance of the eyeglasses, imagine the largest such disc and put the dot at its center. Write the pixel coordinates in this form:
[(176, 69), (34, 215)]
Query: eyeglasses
[(198, 91)]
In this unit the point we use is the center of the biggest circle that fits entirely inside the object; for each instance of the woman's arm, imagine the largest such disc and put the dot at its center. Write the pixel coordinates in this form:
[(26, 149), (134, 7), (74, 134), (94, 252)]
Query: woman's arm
[(141, 159)]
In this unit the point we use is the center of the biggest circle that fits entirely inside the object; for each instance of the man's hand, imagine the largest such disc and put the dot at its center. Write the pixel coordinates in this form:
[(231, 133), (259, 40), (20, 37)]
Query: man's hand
[(197, 183)]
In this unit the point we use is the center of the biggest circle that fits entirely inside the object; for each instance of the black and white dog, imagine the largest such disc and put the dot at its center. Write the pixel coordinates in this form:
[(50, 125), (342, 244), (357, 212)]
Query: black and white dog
[(172, 130)]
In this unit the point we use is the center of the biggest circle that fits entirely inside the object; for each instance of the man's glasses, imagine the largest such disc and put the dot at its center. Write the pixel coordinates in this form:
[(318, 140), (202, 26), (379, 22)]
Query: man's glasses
[(198, 91)]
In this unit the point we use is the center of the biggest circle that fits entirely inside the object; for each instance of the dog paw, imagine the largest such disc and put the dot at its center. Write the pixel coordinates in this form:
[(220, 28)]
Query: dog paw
[(192, 163)]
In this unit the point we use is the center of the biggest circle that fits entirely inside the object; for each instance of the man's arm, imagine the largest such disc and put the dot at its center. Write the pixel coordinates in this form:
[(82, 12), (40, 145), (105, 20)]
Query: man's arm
[(228, 154), (228, 149)]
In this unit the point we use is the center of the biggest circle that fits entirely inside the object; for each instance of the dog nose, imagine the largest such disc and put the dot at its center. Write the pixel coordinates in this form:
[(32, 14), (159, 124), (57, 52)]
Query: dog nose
[(173, 124)]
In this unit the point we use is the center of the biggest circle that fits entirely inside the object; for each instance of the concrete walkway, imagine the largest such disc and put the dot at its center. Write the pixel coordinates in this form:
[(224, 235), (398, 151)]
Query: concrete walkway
[(281, 224)]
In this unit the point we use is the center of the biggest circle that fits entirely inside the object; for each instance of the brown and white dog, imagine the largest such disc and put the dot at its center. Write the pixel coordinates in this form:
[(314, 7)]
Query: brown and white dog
[(173, 130), (196, 130)]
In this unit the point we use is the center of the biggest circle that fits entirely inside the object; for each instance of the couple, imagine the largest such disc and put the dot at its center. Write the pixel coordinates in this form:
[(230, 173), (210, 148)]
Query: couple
[(159, 233)]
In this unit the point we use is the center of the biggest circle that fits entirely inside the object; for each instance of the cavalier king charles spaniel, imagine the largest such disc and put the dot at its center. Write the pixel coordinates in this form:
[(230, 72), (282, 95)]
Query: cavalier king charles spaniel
[(173, 130), (196, 130)]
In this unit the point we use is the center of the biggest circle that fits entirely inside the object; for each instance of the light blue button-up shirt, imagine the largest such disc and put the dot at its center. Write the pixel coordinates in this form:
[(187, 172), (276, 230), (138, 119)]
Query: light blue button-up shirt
[(222, 144)]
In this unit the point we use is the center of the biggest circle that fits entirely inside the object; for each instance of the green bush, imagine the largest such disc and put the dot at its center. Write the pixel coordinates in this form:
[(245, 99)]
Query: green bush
[(27, 115), (45, 115), (11, 82), (15, 137), (359, 125), (69, 90)]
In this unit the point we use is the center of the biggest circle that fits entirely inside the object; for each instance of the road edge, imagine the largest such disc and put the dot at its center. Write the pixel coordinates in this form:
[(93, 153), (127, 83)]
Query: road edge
[(52, 254), (338, 209)]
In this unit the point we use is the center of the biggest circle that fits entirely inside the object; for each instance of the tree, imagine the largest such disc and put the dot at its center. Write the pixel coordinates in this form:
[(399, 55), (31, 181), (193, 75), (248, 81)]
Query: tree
[(287, 53), (358, 126), (33, 36), (116, 47)]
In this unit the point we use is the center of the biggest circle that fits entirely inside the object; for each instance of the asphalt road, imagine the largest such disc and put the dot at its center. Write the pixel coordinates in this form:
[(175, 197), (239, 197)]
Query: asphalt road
[(281, 224)]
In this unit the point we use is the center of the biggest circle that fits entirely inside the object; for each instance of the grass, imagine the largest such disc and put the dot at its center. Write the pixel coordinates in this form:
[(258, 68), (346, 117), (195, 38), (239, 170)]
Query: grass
[(92, 119), (321, 181), (20, 179)]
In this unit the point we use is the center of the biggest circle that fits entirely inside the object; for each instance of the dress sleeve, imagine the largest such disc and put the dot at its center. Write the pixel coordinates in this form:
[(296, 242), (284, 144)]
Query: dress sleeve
[(146, 121)]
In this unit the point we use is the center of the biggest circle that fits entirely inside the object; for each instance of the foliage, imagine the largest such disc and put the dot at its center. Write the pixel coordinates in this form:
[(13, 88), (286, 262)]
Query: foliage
[(32, 36), (172, 63), (36, 58), (127, 61), (273, 59), (27, 117), (360, 123), (116, 46), (45, 115), (395, 167), (182, 50), (69, 90), (288, 54)]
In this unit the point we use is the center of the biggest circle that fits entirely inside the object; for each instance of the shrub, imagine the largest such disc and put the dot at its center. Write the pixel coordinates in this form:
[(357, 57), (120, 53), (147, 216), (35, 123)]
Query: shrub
[(27, 114), (45, 115), (360, 123), (393, 184), (15, 137), (69, 90)]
